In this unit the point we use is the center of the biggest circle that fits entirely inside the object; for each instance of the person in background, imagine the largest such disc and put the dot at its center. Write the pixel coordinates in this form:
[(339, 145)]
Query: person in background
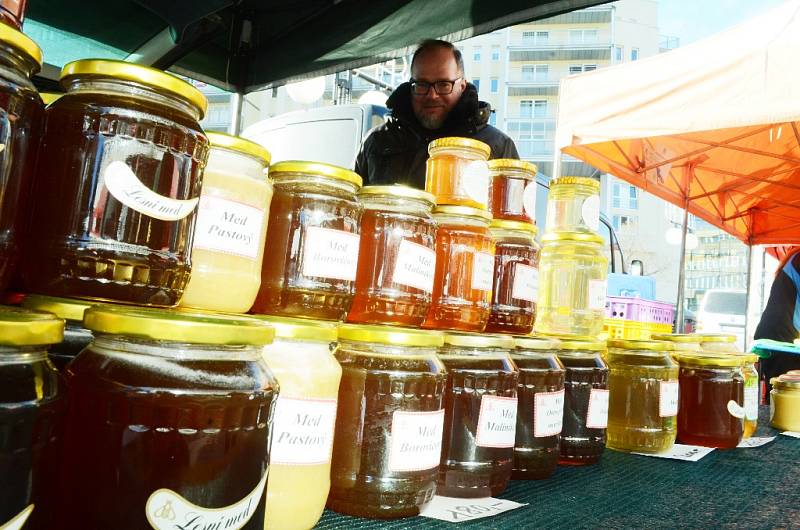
[(435, 103), (781, 317)]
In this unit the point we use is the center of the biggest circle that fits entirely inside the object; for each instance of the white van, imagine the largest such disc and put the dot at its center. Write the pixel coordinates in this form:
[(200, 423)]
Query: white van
[(723, 311)]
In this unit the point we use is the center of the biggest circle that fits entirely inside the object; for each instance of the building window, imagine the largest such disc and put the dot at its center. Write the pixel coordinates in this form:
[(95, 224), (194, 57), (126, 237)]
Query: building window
[(495, 53), (492, 119), (634, 54), (535, 37), (533, 108), (578, 68), (535, 72), (494, 85), (583, 36), (633, 197), (476, 53), (624, 196), (618, 53), (623, 223), (477, 83)]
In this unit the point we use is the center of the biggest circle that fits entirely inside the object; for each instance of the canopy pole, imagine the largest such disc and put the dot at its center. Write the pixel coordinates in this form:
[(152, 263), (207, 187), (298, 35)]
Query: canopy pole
[(235, 127), (556, 164), (679, 315), (748, 309)]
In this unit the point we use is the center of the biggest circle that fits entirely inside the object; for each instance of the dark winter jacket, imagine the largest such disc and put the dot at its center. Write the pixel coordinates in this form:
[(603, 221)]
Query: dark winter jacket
[(395, 152), (781, 317)]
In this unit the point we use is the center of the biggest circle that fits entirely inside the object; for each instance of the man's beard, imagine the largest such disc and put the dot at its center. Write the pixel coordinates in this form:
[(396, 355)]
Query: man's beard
[(431, 122)]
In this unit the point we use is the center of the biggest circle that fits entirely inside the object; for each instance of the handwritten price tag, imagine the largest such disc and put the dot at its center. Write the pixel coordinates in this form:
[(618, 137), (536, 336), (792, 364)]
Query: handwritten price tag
[(687, 453), (793, 434), (455, 510), (756, 441)]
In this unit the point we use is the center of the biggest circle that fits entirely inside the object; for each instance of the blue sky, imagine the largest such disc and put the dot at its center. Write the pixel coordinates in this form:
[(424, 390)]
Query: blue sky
[(692, 20)]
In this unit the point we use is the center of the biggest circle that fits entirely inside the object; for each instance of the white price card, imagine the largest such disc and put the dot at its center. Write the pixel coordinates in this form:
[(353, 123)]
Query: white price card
[(688, 453), (668, 399), (597, 294), (597, 414), (792, 434), (482, 271), (455, 510), (330, 254), (756, 441)]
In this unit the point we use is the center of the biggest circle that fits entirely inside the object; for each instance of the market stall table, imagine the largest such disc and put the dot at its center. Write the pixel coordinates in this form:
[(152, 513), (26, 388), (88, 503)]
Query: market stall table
[(747, 488)]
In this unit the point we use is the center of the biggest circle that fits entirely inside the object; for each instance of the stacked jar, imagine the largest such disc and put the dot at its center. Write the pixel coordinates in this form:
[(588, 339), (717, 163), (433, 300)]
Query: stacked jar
[(312, 243), (573, 265), (456, 172)]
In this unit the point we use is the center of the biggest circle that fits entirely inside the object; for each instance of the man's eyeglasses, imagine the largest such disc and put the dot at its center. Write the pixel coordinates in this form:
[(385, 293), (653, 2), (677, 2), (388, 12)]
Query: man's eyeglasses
[(442, 88)]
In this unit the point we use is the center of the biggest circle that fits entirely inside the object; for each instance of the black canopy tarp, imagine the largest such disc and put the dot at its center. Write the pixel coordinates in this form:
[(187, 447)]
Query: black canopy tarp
[(245, 45)]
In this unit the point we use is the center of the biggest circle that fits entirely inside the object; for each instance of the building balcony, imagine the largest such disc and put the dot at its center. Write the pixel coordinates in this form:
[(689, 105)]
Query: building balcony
[(590, 15), (560, 52)]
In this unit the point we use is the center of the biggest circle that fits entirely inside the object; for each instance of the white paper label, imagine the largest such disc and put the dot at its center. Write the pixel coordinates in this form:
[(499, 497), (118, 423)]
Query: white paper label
[(229, 227), (475, 181), (19, 520), (416, 440), (167, 510), (455, 510), (330, 254), (597, 415), (668, 399), (482, 271), (687, 453), (751, 402), (526, 283), (735, 410), (497, 422), (597, 294), (126, 187), (792, 434), (303, 431), (590, 212), (756, 441), (548, 413), (415, 266), (529, 200)]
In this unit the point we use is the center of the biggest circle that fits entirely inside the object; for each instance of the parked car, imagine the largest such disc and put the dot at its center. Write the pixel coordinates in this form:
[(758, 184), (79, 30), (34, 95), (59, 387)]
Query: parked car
[(723, 311)]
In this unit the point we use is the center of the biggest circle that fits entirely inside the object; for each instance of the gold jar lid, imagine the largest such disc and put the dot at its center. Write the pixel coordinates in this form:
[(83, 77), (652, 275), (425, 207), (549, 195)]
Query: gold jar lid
[(460, 142), (301, 328), (315, 168), (676, 337), (49, 97), (240, 145), (463, 211), (504, 224), (709, 359), (479, 340), (581, 237), (399, 191), (716, 337), (785, 383), (512, 163), (390, 335), (192, 327), (577, 181), (22, 43), (569, 342), (650, 345), (144, 75), (537, 343), (21, 327), (66, 308)]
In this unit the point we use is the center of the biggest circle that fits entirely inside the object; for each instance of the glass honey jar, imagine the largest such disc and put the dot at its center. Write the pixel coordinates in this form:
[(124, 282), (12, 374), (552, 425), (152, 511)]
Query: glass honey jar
[(512, 194), (785, 402), (457, 173), (71, 310), (573, 205)]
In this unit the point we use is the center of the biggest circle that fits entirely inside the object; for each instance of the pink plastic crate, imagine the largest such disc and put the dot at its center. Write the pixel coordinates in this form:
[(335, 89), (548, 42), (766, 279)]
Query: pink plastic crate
[(627, 308)]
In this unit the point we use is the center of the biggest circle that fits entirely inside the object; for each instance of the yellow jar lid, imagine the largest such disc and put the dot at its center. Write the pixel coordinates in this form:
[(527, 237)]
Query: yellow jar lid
[(651, 345), (785, 383), (21, 327), (570, 342), (397, 190), (66, 308), (537, 343), (301, 328), (21, 42), (716, 337), (49, 97), (479, 340), (395, 336), (581, 237), (462, 211), (240, 145), (192, 327), (577, 181), (512, 163), (315, 168), (464, 143), (504, 224), (676, 337), (709, 359), (152, 77)]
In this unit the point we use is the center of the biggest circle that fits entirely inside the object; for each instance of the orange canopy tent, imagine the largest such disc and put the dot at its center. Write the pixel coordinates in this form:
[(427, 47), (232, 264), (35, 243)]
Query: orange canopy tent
[(713, 127)]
